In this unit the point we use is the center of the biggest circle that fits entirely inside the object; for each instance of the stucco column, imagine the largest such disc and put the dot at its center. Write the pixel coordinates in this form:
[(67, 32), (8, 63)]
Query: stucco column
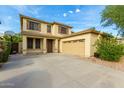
[(41, 44), (53, 29), (24, 44), (55, 46), (60, 46), (88, 46), (69, 31), (33, 43), (44, 45)]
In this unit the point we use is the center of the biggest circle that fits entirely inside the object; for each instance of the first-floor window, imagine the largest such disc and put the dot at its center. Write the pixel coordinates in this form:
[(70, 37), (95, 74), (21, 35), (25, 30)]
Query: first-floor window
[(30, 43), (37, 43)]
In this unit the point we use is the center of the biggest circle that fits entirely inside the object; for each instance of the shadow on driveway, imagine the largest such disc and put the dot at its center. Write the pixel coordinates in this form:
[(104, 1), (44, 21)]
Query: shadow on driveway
[(32, 79), (18, 61)]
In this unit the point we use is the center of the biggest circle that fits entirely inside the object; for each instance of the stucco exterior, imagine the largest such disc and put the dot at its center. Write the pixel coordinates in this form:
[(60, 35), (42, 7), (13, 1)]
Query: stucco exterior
[(85, 48), (90, 39), (74, 47)]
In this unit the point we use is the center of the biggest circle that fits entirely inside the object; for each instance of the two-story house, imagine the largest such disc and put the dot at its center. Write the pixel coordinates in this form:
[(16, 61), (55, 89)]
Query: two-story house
[(52, 37)]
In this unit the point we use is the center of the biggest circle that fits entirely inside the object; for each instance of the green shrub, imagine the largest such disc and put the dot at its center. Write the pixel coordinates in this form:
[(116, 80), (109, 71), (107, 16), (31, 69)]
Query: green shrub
[(109, 49), (5, 53), (1, 56)]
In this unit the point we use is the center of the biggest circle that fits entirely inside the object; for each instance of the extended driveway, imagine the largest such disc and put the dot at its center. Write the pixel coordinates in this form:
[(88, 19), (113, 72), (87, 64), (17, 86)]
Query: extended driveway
[(57, 70)]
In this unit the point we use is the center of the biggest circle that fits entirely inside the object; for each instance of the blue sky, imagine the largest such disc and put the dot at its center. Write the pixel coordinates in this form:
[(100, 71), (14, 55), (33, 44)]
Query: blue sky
[(81, 17)]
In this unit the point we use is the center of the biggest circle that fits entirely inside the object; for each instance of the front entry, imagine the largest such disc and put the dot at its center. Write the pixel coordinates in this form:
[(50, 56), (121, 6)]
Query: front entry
[(49, 46)]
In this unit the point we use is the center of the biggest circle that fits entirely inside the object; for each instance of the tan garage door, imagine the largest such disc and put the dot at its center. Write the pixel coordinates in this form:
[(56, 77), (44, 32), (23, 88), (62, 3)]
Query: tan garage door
[(74, 47)]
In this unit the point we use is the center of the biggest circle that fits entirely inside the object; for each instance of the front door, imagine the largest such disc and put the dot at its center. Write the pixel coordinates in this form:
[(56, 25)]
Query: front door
[(49, 46)]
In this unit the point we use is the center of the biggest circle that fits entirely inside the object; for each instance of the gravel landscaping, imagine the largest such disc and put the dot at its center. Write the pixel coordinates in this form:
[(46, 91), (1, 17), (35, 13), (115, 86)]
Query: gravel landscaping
[(114, 65)]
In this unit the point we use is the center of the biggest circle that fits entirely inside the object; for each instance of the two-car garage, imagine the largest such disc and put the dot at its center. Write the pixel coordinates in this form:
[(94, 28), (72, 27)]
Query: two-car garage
[(80, 43), (74, 47)]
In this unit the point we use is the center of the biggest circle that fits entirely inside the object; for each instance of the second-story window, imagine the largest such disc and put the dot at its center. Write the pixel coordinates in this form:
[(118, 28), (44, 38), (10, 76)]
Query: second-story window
[(33, 25), (62, 30), (48, 28)]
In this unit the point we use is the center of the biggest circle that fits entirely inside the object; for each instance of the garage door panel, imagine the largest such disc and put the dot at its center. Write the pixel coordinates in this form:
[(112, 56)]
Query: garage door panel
[(73, 47)]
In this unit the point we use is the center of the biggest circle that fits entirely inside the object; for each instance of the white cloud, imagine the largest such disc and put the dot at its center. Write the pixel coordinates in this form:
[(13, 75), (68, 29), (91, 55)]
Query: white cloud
[(20, 8), (9, 17), (34, 10), (70, 12), (64, 14), (77, 10)]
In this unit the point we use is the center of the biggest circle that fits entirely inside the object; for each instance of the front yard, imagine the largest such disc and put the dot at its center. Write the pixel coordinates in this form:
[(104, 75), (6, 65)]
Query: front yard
[(115, 65)]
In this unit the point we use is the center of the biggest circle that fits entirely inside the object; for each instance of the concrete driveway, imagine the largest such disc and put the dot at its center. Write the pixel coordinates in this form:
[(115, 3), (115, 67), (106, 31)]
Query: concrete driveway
[(57, 70)]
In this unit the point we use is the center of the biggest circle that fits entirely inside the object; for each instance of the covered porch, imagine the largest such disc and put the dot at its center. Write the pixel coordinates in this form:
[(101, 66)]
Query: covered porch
[(33, 44)]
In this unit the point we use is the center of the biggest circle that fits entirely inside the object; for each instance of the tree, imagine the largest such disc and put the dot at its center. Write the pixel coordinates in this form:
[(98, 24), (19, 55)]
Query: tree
[(12, 37), (17, 38), (93, 28), (114, 15), (107, 35), (109, 49)]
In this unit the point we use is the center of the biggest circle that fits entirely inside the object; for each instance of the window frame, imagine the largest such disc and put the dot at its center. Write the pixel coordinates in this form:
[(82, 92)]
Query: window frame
[(33, 25), (49, 29), (29, 44), (61, 31), (39, 43)]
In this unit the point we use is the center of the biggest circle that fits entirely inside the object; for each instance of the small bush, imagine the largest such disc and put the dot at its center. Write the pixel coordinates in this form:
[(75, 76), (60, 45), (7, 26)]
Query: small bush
[(5, 53), (1, 56), (109, 49)]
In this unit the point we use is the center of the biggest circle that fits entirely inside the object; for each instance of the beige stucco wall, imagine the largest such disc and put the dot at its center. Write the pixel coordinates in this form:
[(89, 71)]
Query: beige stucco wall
[(56, 32), (24, 26), (24, 44), (54, 28), (43, 28), (89, 41), (94, 38), (88, 45), (55, 45), (43, 47), (89, 38)]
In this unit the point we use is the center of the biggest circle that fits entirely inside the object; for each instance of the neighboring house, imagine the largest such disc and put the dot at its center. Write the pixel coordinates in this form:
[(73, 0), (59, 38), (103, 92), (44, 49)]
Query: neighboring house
[(45, 37), (120, 40)]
